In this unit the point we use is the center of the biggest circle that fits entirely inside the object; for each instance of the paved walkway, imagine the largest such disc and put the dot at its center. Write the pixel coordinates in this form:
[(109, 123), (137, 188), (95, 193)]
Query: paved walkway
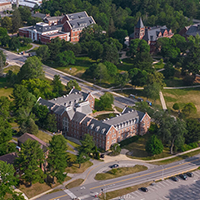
[(162, 100)]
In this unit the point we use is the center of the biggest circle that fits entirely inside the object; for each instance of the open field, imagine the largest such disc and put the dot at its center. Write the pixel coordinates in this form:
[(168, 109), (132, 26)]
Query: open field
[(14, 68), (75, 167), (183, 96), (38, 188), (74, 183), (3, 90), (138, 151), (122, 171)]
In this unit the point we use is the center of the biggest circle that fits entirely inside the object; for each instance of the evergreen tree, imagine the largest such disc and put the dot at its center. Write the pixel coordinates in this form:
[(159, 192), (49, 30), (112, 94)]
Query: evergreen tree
[(57, 85), (57, 158), (16, 21), (154, 146)]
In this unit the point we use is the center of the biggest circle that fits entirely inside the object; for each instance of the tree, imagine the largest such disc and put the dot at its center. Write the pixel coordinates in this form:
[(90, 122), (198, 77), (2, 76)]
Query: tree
[(14, 43), (8, 180), (5, 105), (41, 113), (152, 91), (87, 145), (116, 149), (156, 77), (16, 21), (111, 27), (193, 131), (31, 69), (71, 84), (82, 157), (65, 58), (95, 50), (54, 48), (25, 13), (154, 146), (6, 23), (50, 123), (122, 79), (169, 70), (189, 109), (100, 72), (111, 68), (29, 160), (120, 35), (57, 158), (57, 85), (105, 102), (31, 127), (3, 57), (43, 52), (176, 106), (138, 77)]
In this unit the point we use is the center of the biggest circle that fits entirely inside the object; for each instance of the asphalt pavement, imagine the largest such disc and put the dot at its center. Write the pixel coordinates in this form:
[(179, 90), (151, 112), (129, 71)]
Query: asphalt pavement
[(88, 191)]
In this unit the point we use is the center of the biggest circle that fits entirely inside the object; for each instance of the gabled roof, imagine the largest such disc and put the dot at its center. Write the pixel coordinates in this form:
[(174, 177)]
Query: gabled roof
[(77, 15), (193, 29), (27, 136), (140, 23), (9, 158), (78, 117), (39, 15)]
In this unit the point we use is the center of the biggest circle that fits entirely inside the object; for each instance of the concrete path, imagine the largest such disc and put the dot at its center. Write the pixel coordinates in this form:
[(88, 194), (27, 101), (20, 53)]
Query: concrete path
[(33, 46), (162, 100)]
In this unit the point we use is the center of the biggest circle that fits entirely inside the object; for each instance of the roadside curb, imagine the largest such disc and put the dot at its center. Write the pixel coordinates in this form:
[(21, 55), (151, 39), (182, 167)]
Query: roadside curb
[(39, 195)]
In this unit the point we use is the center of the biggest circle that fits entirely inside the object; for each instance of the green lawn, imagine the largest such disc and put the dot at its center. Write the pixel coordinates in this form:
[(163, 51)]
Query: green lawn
[(183, 96), (122, 171), (4, 91), (104, 116), (14, 68), (74, 183), (75, 168), (138, 151), (25, 48), (126, 65), (159, 65)]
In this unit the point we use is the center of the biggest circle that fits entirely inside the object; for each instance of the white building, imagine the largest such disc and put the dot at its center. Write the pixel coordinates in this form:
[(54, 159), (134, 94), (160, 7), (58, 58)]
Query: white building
[(5, 5)]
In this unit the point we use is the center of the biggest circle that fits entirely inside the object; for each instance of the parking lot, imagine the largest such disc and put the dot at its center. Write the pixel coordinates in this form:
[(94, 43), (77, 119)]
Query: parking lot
[(170, 190)]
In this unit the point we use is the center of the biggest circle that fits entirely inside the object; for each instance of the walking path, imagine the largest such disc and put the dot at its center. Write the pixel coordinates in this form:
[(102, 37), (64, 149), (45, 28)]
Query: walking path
[(162, 100)]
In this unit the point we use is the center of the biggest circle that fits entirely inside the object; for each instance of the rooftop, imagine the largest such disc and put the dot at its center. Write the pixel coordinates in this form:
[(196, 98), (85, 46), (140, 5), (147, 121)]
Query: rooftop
[(77, 15), (9, 158)]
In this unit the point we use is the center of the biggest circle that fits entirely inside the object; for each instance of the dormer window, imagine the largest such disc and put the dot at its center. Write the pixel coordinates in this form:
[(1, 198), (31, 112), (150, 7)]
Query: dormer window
[(103, 130), (97, 128), (91, 126)]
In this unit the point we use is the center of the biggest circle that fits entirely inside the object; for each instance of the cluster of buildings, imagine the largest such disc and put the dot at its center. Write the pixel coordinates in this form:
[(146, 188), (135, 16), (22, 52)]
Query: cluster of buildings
[(74, 118), (67, 27), (150, 34)]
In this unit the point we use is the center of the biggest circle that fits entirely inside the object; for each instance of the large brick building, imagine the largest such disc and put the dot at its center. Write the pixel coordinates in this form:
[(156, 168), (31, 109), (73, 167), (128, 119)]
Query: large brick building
[(190, 30), (73, 114), (150, 34), (67, 27)]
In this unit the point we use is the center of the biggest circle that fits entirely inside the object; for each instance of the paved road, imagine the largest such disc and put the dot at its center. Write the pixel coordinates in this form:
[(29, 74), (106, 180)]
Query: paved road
[(119, 100), (86, 191), (169, 189)]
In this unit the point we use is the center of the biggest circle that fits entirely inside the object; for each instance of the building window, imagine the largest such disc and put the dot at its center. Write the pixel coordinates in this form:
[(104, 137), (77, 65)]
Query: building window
[(65, 124)]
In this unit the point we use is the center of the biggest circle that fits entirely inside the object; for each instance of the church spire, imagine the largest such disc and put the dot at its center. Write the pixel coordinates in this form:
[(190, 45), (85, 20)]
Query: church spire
[(140, 23)]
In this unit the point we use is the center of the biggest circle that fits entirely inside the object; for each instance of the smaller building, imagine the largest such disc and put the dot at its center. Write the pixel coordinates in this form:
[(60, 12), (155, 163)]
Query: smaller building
[(190, 30), (53, 20), (5, 5), (150, 34), (42, 32), (9, 158)]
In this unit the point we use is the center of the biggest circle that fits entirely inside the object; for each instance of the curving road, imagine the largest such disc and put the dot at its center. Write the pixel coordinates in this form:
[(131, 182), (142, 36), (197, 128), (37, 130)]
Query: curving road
[(88, 191)]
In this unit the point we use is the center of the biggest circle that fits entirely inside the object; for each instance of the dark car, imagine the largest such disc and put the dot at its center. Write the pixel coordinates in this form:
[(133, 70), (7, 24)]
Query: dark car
[(102, 155), (183, 176), (114, 166), (190, 174), (144, 189), (140, 99), (174, 178)]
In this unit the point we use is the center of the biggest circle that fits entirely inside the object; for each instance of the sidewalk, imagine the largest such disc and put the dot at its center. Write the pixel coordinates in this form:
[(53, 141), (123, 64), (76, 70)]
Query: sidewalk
[(162, 100)]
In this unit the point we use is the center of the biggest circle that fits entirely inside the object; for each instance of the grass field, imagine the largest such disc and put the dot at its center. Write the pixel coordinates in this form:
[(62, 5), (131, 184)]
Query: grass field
[(159, 65), (126, 65), (74, 183), (75, 168), (38, 188), (122, 171), (14, 68), (25, 48), (138, 151), (3, 90), (183, 96)]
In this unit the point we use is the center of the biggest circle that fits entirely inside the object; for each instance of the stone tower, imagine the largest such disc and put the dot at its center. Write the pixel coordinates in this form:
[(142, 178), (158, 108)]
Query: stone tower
[(139, 29)]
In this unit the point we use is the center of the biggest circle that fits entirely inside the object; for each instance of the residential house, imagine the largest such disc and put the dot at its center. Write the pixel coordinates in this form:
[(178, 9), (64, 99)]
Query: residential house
[(74, 119), (9, 158), (150, 34), (190, 30)]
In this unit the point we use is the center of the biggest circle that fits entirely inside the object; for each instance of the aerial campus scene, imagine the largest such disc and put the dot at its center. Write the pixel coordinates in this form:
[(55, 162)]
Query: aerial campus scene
[(99, 99)]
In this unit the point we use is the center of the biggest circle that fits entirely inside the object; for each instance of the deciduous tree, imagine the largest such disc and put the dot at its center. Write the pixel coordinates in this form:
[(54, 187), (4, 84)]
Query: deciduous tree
[(43, 52), (154, 145), (71, 84), (16, 21), (65, 58)]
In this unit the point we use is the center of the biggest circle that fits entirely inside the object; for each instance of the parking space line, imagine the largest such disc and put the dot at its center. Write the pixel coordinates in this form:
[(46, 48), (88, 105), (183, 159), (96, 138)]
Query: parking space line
[(165, 183), (136, 193), (158, 186)]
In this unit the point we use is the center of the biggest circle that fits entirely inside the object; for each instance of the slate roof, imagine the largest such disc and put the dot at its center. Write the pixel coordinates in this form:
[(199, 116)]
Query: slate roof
[(54, 18), (45, 103), (43, 27), (83, 107), (27, 136), (99, 126), (81, 23), (140, 23), (78, 117), (9, 158), (39, 15), (128, 117), (77, 15), (193, 29)]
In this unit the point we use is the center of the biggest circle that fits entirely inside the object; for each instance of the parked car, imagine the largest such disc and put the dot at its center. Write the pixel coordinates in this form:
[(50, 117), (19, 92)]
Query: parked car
[(174, 178), (102, 155), (144, 189), (183, 176), (140, 99), (114, 166), (189, 174), (132, 96), (149, 103)]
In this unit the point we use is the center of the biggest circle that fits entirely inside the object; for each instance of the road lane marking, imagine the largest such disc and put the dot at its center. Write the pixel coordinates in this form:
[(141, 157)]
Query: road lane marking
[(70, 193), (143, 175), (59, 197)]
